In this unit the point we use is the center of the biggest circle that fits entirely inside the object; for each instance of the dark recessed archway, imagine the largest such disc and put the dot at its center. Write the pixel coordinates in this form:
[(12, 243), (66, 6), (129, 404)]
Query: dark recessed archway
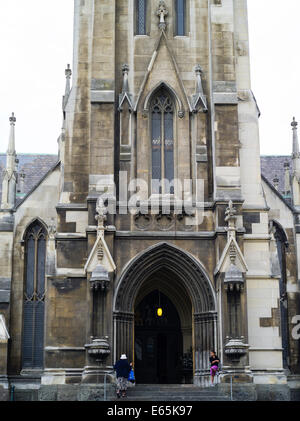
[(158, 340)]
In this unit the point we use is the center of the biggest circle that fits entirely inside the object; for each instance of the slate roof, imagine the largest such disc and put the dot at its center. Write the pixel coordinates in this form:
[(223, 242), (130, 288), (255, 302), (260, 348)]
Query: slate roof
[(34, 166), (272, 165)]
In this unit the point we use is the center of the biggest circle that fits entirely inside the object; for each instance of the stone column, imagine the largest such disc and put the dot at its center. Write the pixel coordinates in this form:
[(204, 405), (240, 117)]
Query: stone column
[(204, 332), (234, 311), (123, 337)]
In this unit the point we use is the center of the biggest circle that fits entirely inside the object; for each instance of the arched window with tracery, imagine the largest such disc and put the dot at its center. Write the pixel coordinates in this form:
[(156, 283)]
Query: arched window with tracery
[(282, 244), (34, 296), (162, 110)]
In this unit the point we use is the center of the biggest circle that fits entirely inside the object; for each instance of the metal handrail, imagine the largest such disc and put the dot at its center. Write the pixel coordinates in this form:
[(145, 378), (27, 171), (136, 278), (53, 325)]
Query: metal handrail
[(105, 376), (12, 393)]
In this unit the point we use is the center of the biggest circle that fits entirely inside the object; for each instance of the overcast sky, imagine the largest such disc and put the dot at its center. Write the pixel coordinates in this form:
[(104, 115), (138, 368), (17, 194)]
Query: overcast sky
[(36, 44)]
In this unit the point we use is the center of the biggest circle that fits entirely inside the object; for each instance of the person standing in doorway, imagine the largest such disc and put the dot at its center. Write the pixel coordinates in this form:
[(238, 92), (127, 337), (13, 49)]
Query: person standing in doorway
[(214, 365), (122, 368)]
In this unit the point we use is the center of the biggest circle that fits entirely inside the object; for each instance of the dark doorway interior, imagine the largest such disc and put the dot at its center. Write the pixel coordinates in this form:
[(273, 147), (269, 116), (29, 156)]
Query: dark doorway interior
[(158, 341)]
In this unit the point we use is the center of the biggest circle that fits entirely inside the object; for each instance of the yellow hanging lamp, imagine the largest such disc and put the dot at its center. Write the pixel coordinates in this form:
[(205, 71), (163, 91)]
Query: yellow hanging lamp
[(159, 310)]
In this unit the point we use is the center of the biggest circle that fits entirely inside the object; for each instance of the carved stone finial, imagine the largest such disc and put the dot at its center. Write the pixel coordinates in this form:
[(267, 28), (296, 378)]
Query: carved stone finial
[(125, 68), (230, 212), (276, 182), (296, 152), (294, 124), (162, 12), (198, 69), (230, 217), (199, 98), (125, 71), (52, 229), (68, 72), (12, 119), (101, 214)]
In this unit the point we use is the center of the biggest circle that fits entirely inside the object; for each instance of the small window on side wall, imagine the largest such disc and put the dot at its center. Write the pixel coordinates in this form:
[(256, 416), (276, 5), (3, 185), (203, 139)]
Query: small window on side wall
[(180, 8), (141, 17)]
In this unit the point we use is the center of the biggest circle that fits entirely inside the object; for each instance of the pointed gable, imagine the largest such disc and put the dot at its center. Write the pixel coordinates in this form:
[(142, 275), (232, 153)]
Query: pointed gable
[(107, 260), (163, 69), (225, 262)]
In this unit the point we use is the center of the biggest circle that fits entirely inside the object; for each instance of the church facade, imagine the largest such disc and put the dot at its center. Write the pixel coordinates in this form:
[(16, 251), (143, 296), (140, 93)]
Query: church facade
[(154, 232)]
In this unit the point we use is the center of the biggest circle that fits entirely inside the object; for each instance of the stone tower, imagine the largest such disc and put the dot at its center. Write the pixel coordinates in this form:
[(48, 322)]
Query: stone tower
[(126, 54), (158, 202)]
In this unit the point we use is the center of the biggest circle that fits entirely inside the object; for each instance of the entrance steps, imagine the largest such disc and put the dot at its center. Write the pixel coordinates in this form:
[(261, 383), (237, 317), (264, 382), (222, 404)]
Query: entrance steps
[(169, 392)]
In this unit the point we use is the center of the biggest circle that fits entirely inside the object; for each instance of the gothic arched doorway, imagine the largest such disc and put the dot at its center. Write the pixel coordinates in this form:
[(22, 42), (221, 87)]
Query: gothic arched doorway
[(184, 283)]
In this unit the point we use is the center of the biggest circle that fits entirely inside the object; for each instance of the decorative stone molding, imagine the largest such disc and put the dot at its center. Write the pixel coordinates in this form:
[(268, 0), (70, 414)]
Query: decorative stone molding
[(98, 284), (125, 95), (162, 221), (99, 349), (234, 279), (142, 221), (236, 348), (199, 99)]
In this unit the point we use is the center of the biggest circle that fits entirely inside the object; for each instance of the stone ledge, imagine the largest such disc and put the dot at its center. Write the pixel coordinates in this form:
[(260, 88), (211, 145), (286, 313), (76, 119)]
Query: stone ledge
[(273, 392), (103, 96), (224, 98), (4, 296)]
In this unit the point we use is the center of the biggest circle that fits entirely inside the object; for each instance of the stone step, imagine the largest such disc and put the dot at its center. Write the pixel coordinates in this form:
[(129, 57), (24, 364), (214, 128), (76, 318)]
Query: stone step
[(164, 393), (173, 399), (159, 390), (172, 393), (159, 393), (187, 387)]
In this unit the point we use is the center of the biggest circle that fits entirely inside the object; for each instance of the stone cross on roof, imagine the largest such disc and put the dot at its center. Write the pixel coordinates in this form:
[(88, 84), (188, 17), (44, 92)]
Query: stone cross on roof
[(12, 119), (162, 12)]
